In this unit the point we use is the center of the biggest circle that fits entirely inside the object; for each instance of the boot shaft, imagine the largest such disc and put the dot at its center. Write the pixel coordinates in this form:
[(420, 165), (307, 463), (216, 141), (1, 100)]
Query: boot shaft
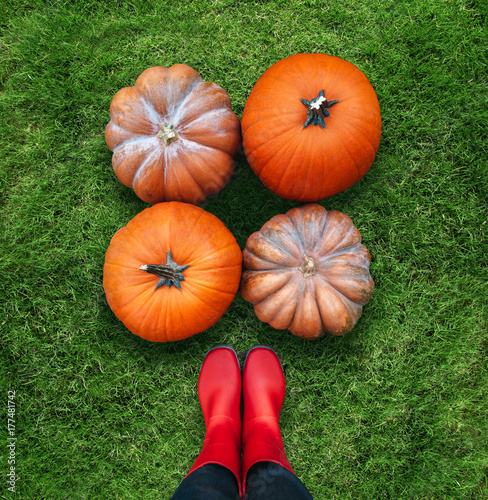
[(219, 393), (263, 387)]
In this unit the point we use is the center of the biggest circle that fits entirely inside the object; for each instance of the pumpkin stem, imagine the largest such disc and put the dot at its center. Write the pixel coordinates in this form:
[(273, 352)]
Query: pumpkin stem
[(168, 134), (308, 266), (317, 109), (169, 274)]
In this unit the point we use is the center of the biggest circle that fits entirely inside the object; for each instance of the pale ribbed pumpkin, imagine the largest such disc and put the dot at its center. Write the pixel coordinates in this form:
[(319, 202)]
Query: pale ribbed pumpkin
[(173, 136), (307, 271), (171, 272)]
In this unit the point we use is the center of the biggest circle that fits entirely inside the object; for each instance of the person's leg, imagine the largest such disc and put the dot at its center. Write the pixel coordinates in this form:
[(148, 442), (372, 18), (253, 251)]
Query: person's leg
[(219, 392), (263, 389), (209, 482), (271, 481)]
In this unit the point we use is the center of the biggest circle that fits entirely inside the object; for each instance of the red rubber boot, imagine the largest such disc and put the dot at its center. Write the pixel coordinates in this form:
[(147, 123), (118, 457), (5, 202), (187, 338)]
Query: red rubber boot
[(219, 392), (263, 386)]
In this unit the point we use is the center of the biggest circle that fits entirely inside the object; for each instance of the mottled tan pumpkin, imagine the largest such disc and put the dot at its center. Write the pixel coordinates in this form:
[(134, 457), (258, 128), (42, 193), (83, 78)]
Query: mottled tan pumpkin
[(307, 271), (173, 136)]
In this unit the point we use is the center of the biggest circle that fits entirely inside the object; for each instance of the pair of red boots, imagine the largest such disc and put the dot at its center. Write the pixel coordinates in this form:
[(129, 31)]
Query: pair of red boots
[(256, 432)]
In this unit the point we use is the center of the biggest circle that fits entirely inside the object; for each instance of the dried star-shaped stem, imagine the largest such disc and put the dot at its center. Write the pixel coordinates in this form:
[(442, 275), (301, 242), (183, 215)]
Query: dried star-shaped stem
[(169, 274), (318, 109)]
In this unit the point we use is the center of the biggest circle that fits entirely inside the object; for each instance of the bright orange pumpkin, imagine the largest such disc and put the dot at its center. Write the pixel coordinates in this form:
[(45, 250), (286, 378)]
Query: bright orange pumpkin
[(311, 126), (174, 136), (307, 271), (171, 272)]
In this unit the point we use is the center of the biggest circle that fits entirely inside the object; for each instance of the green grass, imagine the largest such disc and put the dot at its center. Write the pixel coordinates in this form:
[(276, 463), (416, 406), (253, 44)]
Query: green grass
[(397, 408)]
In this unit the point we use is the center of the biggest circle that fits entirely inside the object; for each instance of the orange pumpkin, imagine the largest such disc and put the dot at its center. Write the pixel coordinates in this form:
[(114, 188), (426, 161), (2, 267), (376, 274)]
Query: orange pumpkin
[(307, 271), (174, 136), (171, 272), (311, 126)]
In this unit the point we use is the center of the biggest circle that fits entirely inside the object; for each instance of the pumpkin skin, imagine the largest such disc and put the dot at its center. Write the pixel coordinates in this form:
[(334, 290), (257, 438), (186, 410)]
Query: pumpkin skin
[(173, 136), (307, 271), (205, 258), (303, 157)]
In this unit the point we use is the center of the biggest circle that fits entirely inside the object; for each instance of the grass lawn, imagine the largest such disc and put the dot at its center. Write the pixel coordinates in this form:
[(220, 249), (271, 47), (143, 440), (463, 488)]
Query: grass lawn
[(395, 409)]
